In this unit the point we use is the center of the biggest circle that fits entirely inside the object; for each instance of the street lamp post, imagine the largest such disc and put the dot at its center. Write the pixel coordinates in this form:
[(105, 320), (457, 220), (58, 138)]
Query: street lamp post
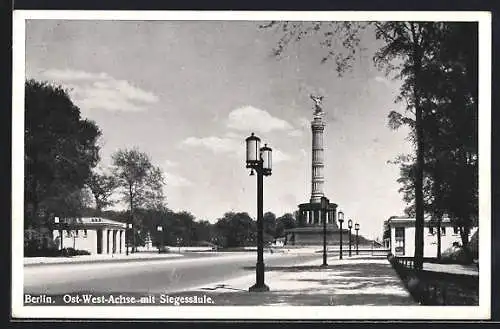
[(59, 227), (341, 220), (349, 224), (160, 233), (179, 240), (356, 227), (127, 230), (259, 159), (324, 206)]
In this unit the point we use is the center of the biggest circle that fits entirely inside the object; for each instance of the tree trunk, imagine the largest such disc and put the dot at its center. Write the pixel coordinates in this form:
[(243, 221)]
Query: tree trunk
[(131, 218), (419, 175), (97, 206), (419, 195), (464, 235)]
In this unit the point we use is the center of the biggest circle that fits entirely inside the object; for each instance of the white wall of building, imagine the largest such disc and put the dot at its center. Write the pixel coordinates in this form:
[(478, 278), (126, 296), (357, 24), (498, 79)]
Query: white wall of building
[(87, 240), (77, 239), (430, 241)]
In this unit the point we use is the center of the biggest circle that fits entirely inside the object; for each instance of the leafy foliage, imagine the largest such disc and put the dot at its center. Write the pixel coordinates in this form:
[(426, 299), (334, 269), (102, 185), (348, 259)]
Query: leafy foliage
[(236, 230), (102, 187), (60, 151), (139, 181), (287, 221), (269, 223), (342, 50)]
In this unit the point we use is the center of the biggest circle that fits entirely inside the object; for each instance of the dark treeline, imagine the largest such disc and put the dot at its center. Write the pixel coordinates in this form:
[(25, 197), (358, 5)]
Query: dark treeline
[(233, 229)]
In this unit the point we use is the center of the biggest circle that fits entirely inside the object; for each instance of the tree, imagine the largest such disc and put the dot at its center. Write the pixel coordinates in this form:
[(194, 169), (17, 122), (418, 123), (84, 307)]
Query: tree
[(414, 44), (454, 97), (185, 228), (408, 48), (71, 205), (449, 100), (102, 187), (269, 224), (235, 229), (154, 197), (137, 178), (287, 221), (202, 231), (60, 151)]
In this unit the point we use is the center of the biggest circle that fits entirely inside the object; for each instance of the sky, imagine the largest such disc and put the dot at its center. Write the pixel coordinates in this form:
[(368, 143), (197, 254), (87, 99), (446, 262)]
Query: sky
[(188, 93)]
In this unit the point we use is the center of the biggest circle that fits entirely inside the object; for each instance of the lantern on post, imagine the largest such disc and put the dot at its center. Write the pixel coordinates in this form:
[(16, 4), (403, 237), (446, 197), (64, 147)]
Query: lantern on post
[(259, 159), (324, 209), (341, 220), (160, 233), (349, 224), (356, 227)]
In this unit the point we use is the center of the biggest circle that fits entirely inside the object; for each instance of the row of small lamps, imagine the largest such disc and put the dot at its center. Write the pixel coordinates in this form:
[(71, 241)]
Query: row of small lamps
[(349, 225)]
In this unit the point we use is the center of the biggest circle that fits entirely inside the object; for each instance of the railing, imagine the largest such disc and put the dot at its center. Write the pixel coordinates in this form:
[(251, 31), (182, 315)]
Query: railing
[(436, 288)]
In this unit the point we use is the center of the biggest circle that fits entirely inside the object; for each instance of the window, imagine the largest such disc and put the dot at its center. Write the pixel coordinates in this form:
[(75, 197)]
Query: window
[(85, 233), (68, 233), (76, 233), (443, 230), (399, 243), (431, 230), (455, 230)]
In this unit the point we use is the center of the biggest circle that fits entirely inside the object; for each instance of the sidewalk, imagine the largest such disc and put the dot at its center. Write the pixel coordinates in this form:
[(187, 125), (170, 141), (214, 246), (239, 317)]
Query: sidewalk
[(452, 268), (139, 256), (359, 280)]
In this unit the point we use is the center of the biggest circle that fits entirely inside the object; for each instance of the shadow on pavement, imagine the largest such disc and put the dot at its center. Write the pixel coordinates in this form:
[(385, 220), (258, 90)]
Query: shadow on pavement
[(370, 281)]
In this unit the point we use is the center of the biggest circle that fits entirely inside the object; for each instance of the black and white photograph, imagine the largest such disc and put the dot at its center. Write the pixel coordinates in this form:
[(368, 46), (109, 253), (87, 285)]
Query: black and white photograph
[(244, 165)]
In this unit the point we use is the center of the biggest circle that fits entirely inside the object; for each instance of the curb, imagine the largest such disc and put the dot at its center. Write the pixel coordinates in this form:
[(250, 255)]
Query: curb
[(102, 261)]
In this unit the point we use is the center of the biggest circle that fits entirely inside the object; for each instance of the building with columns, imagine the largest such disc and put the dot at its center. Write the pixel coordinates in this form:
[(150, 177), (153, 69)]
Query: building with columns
[(399, 236), (310, 215), (94, 234)]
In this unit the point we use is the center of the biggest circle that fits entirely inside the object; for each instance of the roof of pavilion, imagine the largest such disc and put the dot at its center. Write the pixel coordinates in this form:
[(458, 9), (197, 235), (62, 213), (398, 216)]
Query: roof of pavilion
[(91, 222), (410, 221)]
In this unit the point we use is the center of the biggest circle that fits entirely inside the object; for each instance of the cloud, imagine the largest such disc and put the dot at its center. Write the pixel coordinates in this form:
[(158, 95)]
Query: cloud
[(101, 91), (176, 180), (246, 119), (280, 156), (68, 75), (249, 118), (230, 146), (215, 144)]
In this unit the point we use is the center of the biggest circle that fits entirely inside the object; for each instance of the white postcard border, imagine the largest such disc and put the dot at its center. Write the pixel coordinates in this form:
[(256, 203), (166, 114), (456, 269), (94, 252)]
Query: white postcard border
[(253, 312)]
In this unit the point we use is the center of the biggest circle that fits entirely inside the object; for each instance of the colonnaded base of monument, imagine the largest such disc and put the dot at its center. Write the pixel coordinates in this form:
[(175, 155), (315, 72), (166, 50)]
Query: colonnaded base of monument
[(258, 288), (313, 236)]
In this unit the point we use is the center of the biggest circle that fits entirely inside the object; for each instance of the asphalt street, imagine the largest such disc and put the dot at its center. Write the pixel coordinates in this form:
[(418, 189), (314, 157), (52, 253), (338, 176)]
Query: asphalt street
[(150, 276)]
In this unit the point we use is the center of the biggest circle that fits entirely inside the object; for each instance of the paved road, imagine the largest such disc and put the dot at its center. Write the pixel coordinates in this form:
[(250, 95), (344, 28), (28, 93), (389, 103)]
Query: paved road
[(153, 276)]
